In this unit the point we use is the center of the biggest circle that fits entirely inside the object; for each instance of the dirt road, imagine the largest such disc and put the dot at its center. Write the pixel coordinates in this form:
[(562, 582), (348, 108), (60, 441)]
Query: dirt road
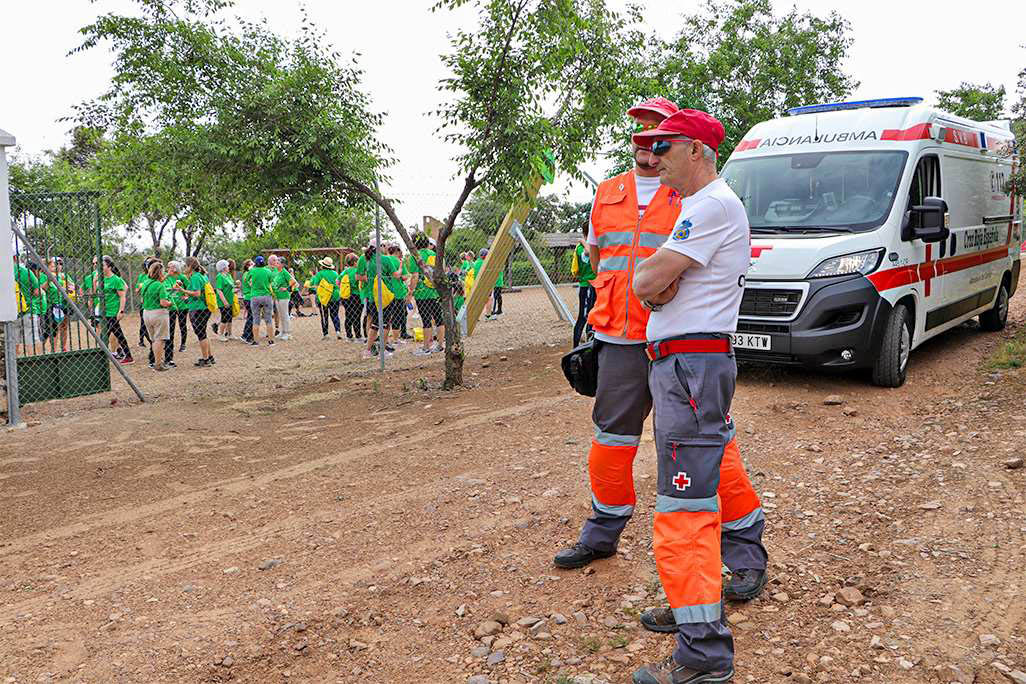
[(363, 530)]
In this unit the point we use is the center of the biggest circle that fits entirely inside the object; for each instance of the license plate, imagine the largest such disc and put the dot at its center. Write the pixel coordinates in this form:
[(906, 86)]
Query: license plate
[(746, 341)]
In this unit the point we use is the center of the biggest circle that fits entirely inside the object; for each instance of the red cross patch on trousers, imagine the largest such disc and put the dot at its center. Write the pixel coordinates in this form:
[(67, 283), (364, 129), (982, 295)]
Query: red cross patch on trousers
[(681, 481)]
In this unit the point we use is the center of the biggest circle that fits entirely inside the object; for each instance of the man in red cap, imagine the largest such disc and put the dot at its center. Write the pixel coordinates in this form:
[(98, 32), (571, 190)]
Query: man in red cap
[(693, 285), (632, 215)]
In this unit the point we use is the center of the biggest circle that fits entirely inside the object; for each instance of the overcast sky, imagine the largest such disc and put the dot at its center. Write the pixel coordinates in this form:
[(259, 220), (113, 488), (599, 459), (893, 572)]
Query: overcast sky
[(908, 47)]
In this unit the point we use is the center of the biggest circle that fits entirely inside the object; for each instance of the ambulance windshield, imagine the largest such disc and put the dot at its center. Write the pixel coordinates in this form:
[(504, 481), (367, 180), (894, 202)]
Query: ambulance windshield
[(812, 192)]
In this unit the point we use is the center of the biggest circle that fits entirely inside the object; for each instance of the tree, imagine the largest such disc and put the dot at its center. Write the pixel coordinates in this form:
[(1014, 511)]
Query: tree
[(743, 64), (979, 102), (1018, 181), (280, 123)]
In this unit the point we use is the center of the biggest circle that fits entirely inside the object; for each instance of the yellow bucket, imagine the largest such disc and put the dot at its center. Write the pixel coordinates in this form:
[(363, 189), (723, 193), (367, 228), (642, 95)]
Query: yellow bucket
[(418, 334)]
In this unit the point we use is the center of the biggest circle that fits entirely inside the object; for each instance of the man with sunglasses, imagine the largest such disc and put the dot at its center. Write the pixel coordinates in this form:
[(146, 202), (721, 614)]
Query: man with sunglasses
[(693, 285)]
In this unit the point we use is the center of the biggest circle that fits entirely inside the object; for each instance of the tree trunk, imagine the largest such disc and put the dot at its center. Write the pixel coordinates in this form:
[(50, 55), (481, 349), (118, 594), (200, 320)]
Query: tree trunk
[(174, 241), (454, 355)]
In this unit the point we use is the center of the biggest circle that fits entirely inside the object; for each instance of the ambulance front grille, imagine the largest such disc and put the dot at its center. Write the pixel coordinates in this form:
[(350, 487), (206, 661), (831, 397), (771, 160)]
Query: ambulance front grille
[(770, 302)]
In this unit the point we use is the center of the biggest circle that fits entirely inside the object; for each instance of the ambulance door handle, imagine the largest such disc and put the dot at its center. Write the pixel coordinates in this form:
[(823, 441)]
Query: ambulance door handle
[(953, 243)]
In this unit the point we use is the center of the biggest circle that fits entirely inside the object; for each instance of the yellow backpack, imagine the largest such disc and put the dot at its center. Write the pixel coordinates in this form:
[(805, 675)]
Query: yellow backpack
[(382, 293), (468, 282), (211, 297), (325, 288), (430, 262), (345, 289), (575, 265), (22, 304), (236, 308)]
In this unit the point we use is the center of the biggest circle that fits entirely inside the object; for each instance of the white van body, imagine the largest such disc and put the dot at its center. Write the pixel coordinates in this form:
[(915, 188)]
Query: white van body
[(834, 195)]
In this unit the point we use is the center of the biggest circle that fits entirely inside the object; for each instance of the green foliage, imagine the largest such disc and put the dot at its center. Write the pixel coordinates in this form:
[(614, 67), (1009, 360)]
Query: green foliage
[(536, 75), (744, 64), (979, 102), (1019, 128), (1010, 355)]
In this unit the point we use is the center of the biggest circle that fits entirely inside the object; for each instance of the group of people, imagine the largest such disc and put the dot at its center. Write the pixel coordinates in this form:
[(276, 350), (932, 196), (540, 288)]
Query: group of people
[(661, 271), (263, 296)]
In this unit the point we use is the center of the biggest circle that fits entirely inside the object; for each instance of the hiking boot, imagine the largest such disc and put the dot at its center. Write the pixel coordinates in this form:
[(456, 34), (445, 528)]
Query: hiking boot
[(201, 363), (744, 585), (669, 672), (659, 620), (578, 556)]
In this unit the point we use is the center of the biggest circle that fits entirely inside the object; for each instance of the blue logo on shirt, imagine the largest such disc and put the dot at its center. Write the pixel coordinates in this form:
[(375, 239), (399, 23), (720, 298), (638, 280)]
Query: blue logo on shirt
[(682, 231)]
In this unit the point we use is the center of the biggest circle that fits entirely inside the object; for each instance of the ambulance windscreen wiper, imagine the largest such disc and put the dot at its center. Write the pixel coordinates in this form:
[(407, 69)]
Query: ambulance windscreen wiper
[(816, 229)]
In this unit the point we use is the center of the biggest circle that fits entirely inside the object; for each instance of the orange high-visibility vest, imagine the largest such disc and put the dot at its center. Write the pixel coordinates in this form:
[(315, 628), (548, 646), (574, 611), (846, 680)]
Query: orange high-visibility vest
[(624, 241)]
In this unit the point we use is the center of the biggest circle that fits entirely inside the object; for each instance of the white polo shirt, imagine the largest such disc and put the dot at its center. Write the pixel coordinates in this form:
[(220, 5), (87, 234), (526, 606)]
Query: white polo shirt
[(713, 231)]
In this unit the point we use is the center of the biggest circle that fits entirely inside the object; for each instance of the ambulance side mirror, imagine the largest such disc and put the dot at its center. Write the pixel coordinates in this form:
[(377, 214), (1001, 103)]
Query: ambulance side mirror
[(929, 221)]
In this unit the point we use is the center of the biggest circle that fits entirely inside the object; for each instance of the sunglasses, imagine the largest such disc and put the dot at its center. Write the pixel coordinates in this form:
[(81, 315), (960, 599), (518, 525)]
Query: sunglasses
[(661, 147)]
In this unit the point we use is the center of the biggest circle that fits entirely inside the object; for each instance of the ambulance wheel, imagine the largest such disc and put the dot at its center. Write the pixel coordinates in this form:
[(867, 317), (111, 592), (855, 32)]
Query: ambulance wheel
[(995, 319), (891, 365)]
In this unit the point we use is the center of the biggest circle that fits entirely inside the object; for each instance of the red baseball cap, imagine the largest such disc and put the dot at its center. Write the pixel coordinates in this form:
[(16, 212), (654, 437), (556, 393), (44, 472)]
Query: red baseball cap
[(689, 123), (656, 105)]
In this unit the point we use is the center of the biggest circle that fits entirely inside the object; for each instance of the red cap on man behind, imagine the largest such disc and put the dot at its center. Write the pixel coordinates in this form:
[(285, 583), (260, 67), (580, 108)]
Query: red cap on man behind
[(688, 123), (656, 105)]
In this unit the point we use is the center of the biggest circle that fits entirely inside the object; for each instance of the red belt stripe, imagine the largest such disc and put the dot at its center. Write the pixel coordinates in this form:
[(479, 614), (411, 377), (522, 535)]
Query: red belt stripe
[(658, 350)]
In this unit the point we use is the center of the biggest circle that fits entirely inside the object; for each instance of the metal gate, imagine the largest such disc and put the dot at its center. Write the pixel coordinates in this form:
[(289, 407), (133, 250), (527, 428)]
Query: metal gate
[(56, 356)]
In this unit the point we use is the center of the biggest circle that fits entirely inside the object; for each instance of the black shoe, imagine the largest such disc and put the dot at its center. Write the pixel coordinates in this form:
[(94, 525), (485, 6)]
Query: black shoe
[(578, 556), (659, 620), (390, 349), (181, 347), (669, 672), (201, 363), (170, 364), (270, 343), (252, 343), (744, 585), (210, 360)]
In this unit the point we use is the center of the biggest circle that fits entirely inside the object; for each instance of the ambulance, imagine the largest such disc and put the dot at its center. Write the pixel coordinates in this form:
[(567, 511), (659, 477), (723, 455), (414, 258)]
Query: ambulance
[(876, 225)]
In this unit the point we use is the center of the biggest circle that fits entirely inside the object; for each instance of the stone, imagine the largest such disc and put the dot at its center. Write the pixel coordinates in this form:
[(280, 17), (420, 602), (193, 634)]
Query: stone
[(781, 597), (480, 651), (231, 571), (833, 400), (500, 617), (462, 610), (559, 618), (905, 664), (479, 679), (850, 597), (1014, 463), (549, 493), (487, 628), (989, 640), (538, 627), (270, 564), (228, 661), (488, 641), (495, 658), (1017, 676), (580, 618), (840, 626), (358, 645), (528, 621), (930, 506)]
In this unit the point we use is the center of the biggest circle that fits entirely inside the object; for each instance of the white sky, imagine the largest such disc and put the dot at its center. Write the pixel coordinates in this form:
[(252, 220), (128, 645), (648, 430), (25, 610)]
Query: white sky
[(912, 47)]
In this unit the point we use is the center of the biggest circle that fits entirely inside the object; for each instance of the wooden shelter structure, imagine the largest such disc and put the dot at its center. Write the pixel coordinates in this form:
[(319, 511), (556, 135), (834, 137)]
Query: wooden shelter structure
[(291, 256)]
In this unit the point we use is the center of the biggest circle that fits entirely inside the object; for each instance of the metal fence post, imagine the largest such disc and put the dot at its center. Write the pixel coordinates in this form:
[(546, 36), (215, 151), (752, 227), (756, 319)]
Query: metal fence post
[(8, 307)]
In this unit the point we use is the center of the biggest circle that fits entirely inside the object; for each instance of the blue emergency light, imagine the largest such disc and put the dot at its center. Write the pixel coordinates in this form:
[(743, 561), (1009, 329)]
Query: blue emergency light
[(838, 106)]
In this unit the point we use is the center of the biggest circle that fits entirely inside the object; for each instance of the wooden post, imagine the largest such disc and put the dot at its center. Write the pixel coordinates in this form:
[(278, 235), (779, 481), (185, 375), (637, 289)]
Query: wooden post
[(500, 249)]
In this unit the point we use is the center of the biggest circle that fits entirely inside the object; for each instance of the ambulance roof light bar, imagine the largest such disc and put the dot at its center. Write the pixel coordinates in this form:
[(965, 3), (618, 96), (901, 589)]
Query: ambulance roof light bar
[(859, 104)]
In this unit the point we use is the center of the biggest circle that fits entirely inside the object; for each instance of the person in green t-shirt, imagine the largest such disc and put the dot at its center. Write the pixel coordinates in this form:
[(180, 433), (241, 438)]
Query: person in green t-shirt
[(261, 299), (390, 272), (329, 276), (196, 303), (156, 302), (224, 289), (246, 289), (426, 296), (584, 273), (476, 268), (114, 290), (178, 314), (28, 333), (282, 284), (60, 290), (353, 304), (365, 290), (404, 293), (140, 282)]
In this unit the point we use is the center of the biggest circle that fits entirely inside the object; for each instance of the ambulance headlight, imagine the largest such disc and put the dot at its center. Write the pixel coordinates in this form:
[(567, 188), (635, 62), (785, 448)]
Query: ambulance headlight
[(849, 264)]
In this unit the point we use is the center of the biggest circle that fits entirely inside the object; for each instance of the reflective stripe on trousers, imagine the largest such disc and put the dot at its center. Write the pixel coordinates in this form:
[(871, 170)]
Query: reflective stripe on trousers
[(691, 394)]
